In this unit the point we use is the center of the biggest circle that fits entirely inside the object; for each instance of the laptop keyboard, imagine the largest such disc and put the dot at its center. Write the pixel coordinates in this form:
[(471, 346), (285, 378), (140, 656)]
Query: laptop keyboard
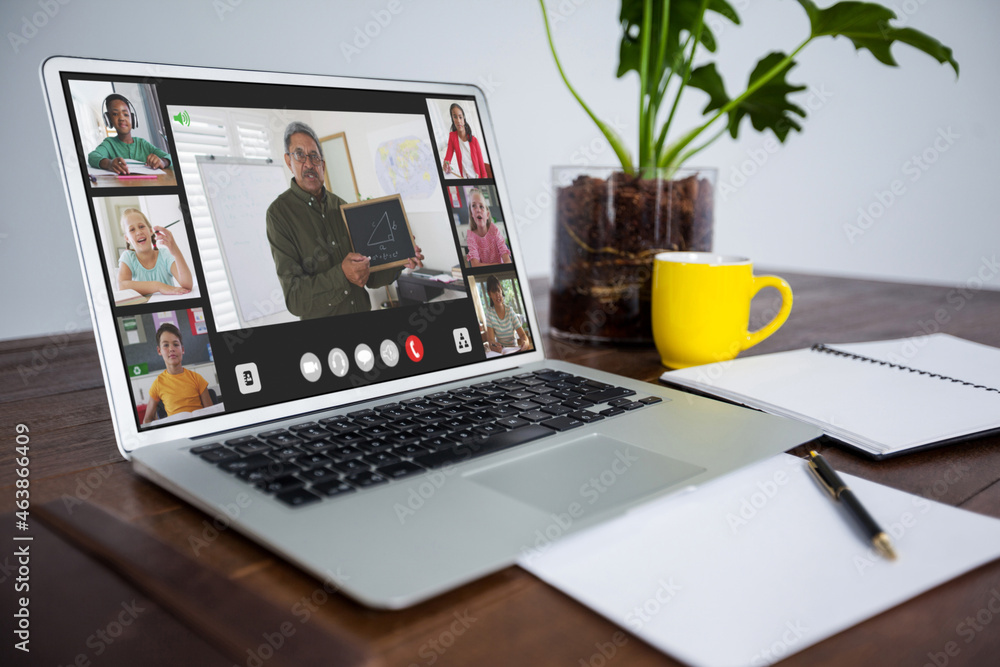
[(344, 454)]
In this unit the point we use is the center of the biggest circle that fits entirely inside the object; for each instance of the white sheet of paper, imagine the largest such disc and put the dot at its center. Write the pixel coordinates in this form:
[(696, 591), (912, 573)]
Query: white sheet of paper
[(765, 554), (507, 350), (200, 412), (133, 168), (159, 297)]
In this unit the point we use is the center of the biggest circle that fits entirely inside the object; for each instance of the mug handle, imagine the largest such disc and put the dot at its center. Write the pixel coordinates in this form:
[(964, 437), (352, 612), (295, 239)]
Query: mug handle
[(759, 283)]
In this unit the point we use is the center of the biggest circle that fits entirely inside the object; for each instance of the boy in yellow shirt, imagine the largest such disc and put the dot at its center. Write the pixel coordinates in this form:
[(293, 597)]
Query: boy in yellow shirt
[(179, 389)]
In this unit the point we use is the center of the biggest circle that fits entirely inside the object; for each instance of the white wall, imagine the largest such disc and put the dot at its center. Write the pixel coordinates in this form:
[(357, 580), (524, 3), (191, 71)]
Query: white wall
[(868, 122)]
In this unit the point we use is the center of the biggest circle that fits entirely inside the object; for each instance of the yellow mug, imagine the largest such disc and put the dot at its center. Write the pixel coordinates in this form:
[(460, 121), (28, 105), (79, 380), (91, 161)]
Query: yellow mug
[(701, 307)]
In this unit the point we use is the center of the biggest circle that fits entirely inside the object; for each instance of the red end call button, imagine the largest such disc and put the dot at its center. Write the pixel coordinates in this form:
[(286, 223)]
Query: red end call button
[(414, 348)]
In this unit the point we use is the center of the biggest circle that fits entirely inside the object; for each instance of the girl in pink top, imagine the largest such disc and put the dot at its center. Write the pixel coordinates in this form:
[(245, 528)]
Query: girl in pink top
[(486, 244)]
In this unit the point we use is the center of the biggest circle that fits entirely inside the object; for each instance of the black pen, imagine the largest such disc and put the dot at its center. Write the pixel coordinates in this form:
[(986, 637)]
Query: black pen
[(832, 482)]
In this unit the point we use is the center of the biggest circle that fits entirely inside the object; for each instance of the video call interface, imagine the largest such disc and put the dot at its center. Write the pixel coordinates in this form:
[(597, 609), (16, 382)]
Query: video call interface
[(265, 243)]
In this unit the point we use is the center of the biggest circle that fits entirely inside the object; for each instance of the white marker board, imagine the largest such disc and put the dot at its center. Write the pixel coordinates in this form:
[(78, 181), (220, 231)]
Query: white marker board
[(239, 191)]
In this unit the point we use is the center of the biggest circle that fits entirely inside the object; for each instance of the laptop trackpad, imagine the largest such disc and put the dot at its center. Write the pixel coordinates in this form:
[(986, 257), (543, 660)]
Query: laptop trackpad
[(596, 473)]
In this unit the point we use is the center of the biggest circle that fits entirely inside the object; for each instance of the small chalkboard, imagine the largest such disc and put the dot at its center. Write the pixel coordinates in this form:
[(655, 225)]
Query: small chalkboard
[(379, 229)]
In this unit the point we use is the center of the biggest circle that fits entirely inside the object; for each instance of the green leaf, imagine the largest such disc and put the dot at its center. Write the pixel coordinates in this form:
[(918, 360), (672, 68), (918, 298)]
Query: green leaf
[(768, 107), (866, 24), (707, 79), (684, 16)]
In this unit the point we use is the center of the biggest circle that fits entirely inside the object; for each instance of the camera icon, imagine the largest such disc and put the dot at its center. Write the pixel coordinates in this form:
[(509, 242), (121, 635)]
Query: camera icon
[(310, 366)]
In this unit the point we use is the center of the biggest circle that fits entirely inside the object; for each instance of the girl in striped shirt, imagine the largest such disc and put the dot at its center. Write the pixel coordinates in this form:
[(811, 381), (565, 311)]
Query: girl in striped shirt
[(503, 329)]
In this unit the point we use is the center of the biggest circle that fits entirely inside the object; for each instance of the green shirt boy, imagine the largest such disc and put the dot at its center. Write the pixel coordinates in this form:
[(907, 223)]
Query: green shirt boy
[(113, 151), (113, 147)]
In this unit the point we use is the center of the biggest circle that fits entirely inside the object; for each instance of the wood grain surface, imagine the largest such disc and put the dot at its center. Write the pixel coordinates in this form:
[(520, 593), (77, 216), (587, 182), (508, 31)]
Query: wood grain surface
[(54, 386)]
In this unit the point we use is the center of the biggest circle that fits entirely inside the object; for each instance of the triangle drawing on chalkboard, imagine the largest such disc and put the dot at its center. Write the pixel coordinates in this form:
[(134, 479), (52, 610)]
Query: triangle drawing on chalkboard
[(382, 232)]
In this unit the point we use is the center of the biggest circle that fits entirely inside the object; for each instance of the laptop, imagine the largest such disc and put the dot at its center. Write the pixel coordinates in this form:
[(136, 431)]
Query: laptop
[(314, 324)]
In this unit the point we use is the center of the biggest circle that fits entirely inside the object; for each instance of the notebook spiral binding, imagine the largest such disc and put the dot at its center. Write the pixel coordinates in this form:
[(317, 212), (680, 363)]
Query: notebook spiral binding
[(829, 350)]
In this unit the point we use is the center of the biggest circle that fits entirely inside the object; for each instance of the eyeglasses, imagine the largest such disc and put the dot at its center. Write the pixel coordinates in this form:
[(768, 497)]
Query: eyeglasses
[(301, 156)]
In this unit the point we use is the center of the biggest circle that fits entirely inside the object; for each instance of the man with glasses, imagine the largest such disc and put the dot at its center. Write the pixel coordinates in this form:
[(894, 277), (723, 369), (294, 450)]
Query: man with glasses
[(318, 272)]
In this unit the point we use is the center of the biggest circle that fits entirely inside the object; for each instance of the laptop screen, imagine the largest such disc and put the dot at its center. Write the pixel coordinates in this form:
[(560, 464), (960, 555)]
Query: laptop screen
[(263, 243)]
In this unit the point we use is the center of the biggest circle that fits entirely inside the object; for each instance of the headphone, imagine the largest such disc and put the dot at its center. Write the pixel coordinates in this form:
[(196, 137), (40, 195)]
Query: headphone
[(107, 116)]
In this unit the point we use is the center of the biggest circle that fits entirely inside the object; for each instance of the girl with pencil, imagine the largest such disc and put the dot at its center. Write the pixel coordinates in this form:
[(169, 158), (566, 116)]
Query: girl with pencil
[(152, 262)]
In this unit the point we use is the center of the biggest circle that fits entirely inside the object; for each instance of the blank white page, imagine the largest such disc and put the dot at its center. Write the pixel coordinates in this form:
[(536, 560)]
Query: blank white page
[(761, 563)]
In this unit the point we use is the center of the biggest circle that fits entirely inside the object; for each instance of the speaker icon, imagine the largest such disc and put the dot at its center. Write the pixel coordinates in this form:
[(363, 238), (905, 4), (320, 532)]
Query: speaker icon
[(183, 118)]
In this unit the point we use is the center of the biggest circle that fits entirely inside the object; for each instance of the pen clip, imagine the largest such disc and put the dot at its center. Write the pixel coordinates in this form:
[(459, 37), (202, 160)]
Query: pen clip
[(825, 484)]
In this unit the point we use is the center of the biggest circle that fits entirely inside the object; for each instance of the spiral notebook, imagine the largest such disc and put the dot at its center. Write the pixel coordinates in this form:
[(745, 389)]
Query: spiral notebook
[(883, 398)]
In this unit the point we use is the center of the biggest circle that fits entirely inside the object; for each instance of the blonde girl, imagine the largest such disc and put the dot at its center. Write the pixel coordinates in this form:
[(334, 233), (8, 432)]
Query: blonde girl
[(152, 262)]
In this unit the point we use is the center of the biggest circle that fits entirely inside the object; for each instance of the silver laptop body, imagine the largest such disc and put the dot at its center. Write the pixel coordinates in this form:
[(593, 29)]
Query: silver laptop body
[(395, 543)]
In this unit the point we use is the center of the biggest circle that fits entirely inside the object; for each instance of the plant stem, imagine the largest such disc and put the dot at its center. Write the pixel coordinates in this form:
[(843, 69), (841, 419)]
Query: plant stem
[(664, 26), (668, 159), (684, 158), (684, 79), (644, 97), (657, 88), (613, 139), (674, 67)]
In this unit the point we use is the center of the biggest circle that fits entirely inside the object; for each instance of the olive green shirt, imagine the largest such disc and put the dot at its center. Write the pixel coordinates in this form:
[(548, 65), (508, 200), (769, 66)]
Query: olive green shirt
[(309, 241)]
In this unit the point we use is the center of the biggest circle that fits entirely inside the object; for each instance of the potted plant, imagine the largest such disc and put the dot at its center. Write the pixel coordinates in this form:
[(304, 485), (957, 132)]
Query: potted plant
[(610, 224)]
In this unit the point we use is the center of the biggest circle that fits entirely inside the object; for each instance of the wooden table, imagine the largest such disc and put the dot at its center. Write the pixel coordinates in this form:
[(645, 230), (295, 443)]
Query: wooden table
[(166, 179), (509, 618)]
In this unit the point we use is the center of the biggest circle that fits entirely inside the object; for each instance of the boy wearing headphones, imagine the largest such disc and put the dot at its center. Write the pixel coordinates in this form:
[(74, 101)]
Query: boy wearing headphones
[(113, 151)]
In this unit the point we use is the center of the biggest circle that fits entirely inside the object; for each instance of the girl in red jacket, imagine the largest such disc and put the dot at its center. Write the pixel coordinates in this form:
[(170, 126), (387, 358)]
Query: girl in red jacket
[(462, 144)]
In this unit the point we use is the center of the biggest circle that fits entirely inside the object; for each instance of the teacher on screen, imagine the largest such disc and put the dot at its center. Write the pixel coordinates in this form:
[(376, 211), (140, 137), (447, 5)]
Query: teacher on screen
[(319, 274)]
